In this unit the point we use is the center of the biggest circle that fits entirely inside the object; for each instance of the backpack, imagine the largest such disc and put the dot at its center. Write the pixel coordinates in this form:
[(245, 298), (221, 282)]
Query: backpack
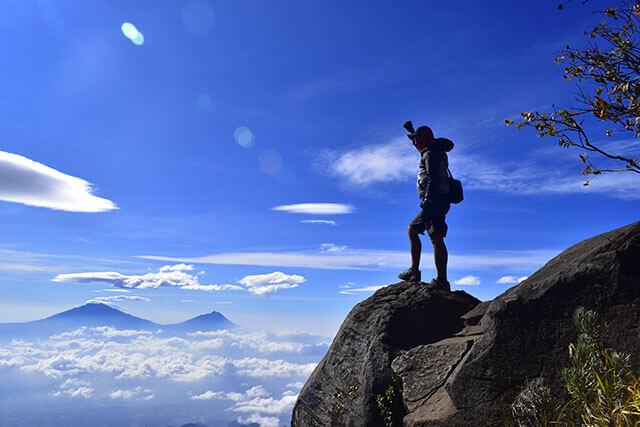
[(455, 189)]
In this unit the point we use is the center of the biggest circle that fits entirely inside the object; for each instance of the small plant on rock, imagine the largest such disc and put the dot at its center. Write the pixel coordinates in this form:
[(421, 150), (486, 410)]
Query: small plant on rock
[(602, 388)]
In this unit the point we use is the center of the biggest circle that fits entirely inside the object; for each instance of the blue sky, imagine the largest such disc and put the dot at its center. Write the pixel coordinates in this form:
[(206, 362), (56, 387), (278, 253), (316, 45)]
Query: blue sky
[(230, 109)]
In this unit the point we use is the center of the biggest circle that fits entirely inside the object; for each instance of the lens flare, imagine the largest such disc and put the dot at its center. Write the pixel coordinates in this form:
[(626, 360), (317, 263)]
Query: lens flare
[(244, 137), (131, 32), (270, 162), (204, 102)]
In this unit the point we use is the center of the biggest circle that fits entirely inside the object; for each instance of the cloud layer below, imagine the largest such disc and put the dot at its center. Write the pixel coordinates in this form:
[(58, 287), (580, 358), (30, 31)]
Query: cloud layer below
[(223, 373)]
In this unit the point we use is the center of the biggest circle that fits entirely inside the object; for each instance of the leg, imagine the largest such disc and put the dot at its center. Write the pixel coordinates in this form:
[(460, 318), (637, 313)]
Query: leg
[(417, 226), (416, 248), (440, 255)]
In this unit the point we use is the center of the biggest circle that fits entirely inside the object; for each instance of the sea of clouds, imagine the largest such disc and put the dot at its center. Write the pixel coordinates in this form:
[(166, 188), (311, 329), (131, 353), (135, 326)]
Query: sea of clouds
[(105, 376)]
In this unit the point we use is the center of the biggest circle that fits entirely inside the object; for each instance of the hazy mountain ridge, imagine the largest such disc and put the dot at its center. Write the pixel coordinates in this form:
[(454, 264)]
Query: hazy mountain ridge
[(98, 314)]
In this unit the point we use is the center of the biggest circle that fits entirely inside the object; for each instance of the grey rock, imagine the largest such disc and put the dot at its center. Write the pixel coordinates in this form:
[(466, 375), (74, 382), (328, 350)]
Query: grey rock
[(425, 369), (342, 389), (527, 329), (469, 361)]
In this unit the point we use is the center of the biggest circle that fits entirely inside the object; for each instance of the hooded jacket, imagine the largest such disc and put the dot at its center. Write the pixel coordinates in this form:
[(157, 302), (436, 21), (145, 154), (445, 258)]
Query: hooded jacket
[(432, 172)]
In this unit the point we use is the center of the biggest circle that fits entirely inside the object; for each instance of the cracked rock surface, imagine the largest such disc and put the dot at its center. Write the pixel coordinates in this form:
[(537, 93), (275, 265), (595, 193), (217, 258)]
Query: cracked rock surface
[(424, 369), (342, 389)]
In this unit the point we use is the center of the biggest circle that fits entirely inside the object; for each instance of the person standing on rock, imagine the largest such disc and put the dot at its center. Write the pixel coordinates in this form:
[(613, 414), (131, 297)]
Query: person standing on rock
[(433, 189)]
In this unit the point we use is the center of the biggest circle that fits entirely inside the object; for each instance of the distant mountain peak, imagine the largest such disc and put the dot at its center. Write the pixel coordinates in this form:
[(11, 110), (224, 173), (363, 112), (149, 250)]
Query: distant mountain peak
[(95, 313), (208, 321)]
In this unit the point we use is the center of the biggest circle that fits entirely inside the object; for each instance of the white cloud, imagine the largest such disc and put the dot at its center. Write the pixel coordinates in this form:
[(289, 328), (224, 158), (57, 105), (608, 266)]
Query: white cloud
[(296, 386), (468, 281), (397, 161), (263, 284), (319, 221), (354, 291), (74, 387), (354, 259), (258, 367), (511, 280), (25, 181), (257, 400), (145, 356), (111, 332), (130, 394), (332, 247), (177, 267), (208, 395), (117, 298), (316, 208), (85, 392), (260, 420), (179, 276), (267, 345), (169, 275), (126, 394), (347, 285), (394, 161)]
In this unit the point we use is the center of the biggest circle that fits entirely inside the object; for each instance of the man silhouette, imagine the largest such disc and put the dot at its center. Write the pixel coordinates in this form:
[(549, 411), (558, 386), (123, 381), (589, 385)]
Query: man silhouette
[(433, 189)]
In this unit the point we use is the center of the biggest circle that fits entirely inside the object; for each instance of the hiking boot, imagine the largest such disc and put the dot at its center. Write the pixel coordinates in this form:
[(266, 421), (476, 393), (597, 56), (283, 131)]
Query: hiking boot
[(437, 284), (410, 275)]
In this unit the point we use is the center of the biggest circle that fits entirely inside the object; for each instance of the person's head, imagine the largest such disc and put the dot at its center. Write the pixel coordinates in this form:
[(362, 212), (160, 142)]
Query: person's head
[(422, 137)]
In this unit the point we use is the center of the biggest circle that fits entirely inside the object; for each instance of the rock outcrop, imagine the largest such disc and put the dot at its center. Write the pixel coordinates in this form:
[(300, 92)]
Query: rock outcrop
[(458, 362), (343, 388)]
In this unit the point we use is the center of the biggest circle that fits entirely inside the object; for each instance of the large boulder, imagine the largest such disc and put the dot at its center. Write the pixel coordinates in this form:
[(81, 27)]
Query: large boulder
[(467, 363), (356, 370), (527, 329)]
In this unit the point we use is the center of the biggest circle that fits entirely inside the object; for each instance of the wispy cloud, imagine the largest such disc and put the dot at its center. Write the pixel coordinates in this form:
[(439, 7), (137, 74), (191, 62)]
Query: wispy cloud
[(370, 164), (26, 268), (117, 298), (319, 221), (22, 262), (170, 275), (180, 276), (538, 175), (354, 291), (25, 181), (316, 208), (468, 281), (333, 248), (539, 172), (354, 259), (511, 280)]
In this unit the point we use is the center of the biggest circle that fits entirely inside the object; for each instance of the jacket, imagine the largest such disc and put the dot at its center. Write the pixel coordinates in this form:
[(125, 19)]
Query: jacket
[(433, 178)]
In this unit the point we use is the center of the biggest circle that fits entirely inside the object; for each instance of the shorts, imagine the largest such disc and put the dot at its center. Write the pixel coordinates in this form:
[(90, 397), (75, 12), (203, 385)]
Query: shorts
[(432, 219)]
